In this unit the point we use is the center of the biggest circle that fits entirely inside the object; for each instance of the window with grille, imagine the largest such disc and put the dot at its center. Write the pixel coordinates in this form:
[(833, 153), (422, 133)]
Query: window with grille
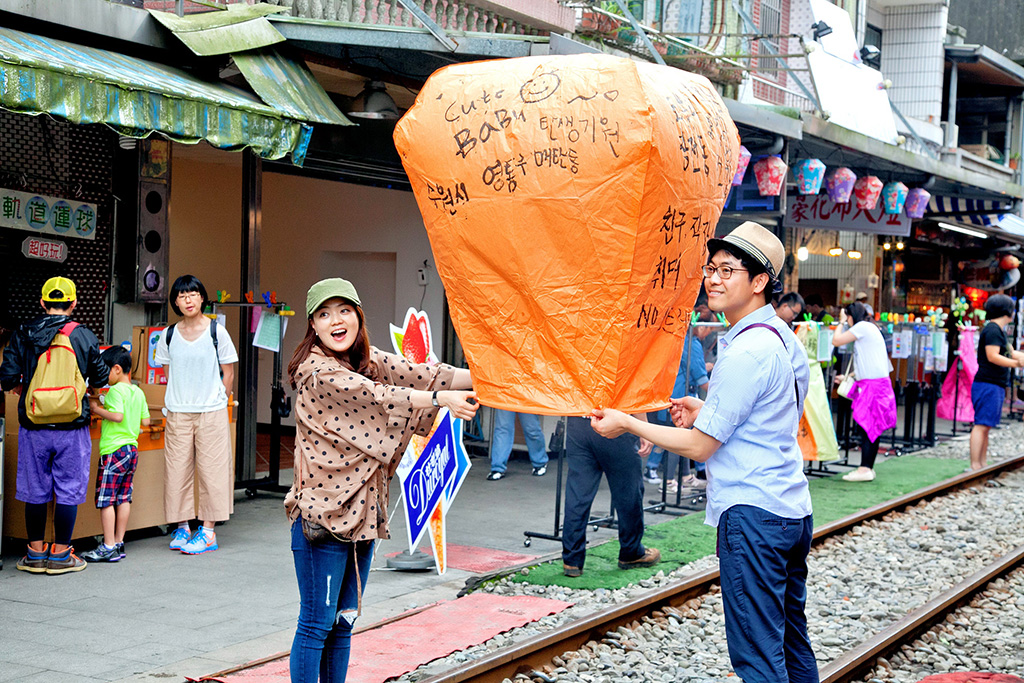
[(770, 23)]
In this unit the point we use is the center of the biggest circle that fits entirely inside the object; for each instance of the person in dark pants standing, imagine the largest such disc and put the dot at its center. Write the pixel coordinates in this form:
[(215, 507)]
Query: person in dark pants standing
[(589, 456)]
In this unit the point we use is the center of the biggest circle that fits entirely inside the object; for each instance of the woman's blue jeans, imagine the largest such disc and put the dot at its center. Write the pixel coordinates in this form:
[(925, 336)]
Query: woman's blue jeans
[(328, 604)]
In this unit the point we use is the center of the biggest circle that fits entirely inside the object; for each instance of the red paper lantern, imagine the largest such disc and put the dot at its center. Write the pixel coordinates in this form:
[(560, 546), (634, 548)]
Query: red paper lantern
[(867, 190), (771, 176)]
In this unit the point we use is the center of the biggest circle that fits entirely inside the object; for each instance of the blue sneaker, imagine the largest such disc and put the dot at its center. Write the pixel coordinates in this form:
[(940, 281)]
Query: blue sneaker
[(200, 542), (179, 538), (120, 551)]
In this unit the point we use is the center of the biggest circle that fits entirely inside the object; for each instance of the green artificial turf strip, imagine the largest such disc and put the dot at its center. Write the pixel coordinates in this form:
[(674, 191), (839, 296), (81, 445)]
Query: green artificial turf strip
[(686, 539)]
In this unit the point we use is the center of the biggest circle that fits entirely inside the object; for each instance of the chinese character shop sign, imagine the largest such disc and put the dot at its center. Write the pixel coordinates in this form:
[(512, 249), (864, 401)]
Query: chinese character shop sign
[(45, 250), (818, 212), (47, 215)]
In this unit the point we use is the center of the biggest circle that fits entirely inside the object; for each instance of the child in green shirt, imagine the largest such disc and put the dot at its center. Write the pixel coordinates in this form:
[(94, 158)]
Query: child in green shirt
[(123, 411)]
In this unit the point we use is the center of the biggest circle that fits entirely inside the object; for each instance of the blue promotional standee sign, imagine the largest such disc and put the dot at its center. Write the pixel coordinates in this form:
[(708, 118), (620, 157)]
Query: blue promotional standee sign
[(425, 484)]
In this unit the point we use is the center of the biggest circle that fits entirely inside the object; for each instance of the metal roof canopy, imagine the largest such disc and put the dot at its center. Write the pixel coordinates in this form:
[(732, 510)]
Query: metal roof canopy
[(983, 65), (838, 146), (407, 55), (238, 27)]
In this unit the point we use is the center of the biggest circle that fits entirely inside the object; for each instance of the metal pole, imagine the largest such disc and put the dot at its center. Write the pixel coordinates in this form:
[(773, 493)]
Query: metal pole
[(951, 107), (248, 360)]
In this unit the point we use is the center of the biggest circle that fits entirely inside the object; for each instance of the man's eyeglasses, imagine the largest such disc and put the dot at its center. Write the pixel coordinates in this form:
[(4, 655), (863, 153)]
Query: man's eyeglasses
[(724, 272)]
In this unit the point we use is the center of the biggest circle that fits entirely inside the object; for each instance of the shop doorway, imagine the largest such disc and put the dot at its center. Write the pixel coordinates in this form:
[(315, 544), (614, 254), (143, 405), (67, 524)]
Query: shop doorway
[(825, 288), (373, 274)]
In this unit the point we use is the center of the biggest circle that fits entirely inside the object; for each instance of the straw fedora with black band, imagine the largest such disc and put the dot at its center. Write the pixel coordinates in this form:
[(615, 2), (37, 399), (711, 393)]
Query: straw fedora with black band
[(760, 244)]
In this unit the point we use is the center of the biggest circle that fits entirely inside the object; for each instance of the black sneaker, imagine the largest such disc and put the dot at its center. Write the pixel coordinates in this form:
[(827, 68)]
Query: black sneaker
[(102, 554), (120, 550), (495, 476), (62, 565), (540, 471)]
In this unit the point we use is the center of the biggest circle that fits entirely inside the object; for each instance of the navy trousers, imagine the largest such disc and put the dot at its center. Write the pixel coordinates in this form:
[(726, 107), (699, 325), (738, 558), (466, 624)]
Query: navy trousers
[(590, 455), (763, 564)]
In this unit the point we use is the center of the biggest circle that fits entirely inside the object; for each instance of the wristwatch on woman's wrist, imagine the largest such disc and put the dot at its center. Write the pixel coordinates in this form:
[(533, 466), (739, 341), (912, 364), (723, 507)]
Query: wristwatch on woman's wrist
[(433, 400)]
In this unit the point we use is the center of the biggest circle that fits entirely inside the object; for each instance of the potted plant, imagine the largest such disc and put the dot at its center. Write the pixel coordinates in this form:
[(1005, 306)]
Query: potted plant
[(1014, 161)]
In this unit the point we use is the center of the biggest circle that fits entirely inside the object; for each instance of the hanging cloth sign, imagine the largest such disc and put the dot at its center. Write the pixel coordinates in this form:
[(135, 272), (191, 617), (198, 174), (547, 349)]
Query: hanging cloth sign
[(47, 215)]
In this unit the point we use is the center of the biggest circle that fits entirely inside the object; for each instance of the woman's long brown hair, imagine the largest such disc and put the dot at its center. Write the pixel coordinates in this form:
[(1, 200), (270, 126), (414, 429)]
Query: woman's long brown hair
[(358, 355)]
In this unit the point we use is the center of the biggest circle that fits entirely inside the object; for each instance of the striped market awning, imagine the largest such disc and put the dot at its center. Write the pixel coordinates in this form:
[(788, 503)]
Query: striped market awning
[(994, 215), (136, 97)]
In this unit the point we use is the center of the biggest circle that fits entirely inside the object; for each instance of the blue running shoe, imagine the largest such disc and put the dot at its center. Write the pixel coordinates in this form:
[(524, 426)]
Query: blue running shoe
[(179, 538), (202, 541)]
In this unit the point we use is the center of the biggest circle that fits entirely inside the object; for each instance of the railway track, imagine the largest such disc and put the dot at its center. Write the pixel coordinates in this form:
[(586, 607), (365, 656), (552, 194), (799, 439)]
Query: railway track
[(532, 655), (858, 661)]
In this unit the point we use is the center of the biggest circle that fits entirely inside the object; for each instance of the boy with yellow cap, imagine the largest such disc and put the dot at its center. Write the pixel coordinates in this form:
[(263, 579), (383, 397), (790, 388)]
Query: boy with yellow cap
[(53, 457)]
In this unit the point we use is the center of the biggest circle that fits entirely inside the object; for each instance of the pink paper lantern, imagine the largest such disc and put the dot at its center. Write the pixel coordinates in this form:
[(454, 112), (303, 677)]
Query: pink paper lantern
[(771, 176), (741, 166), (840, 185), (809, 174), (867, 190), (894, 196), (917, 202)]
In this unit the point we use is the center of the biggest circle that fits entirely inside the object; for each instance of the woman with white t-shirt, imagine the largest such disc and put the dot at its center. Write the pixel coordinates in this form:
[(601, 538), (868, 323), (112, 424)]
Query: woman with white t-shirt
[(197, 438), (874, 403)]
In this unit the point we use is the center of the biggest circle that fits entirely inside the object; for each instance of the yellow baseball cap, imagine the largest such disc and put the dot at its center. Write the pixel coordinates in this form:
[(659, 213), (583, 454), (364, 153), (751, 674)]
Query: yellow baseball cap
[(59, 289)]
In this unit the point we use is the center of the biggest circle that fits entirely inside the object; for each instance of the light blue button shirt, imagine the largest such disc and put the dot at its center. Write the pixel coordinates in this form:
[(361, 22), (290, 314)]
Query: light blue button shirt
[(753, 409)]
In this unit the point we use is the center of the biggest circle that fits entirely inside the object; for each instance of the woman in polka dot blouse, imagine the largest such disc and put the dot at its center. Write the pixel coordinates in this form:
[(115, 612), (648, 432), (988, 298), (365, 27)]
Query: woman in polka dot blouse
[(356, 409)]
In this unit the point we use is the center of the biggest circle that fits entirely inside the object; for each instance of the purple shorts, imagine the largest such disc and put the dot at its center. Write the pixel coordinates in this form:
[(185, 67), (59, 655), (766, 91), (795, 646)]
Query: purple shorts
[(53, 463)]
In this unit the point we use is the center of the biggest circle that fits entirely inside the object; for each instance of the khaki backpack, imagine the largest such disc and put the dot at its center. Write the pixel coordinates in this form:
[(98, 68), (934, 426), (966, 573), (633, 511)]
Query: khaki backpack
[(57, 388)]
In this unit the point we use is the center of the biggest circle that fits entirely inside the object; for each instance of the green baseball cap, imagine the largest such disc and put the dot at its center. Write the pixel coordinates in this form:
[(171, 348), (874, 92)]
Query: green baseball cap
[(328, 289)]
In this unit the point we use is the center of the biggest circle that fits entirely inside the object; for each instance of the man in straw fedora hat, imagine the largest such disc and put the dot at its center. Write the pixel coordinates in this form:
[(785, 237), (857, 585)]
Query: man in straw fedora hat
[(746, 432)]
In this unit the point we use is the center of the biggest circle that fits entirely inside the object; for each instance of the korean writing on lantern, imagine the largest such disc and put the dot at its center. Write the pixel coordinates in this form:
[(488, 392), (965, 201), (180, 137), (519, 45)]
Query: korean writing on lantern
[(447, 198), (675, 227), (575, 129)]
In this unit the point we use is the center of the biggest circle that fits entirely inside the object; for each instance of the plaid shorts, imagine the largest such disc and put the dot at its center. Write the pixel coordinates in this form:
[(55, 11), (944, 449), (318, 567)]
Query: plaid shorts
[(115, 476)]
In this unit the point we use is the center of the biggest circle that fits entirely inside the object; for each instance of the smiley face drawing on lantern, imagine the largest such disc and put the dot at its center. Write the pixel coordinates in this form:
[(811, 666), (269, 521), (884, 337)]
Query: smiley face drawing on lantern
[(568, 201)]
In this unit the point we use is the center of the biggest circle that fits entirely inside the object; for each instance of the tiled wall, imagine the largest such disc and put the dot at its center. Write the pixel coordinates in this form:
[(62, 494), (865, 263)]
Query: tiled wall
[(913, 58)]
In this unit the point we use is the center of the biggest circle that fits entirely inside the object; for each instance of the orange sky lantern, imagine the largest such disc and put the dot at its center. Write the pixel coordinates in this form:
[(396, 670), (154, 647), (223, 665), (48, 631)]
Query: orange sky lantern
[(568, 201)]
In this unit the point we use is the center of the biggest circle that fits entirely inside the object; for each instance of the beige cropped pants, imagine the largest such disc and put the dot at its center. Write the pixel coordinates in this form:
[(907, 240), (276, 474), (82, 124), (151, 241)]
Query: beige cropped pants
[(197, 449)]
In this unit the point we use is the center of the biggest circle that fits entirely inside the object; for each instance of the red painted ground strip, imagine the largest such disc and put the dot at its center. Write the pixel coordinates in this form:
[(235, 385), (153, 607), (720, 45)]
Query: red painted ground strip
[(401, 646), (972, 677), (479, 560)]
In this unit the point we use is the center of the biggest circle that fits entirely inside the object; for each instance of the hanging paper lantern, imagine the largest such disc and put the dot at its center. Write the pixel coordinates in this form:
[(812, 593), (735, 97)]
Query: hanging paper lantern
[(840, 185), (867, 190), (530, 334), (809, 175), (771, 176), (917, 202), (741, 166), (894, 196)]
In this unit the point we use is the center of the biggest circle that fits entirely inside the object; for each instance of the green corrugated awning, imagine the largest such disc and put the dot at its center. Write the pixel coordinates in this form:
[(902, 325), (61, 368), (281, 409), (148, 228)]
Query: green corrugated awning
[(239, 27), (288, 85), (137, 97)]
